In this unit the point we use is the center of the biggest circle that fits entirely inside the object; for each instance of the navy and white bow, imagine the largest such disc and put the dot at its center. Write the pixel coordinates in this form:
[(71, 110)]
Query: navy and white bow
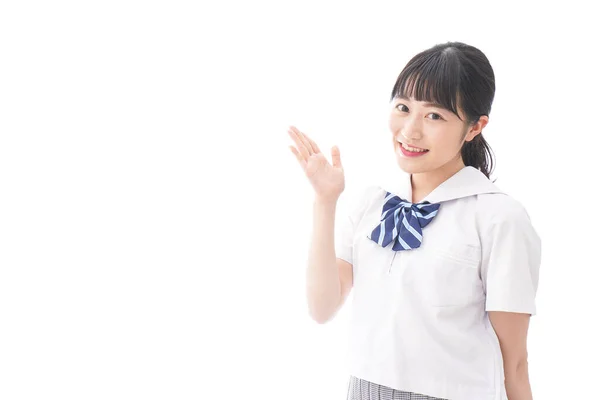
[(403, 222)]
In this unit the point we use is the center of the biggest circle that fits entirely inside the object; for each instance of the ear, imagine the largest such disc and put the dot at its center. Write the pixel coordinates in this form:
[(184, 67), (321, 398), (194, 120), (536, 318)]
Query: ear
[(476, 128)]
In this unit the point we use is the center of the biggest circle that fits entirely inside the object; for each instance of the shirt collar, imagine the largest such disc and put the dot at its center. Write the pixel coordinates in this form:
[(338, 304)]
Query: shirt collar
[(469, 181)]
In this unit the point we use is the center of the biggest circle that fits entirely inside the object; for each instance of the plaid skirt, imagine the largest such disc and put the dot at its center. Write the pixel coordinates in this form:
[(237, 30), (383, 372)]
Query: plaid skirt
[(359, 389)]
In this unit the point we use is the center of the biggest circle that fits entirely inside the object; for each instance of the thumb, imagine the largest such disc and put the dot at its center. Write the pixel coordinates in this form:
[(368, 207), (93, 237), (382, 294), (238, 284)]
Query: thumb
[(335, 157)]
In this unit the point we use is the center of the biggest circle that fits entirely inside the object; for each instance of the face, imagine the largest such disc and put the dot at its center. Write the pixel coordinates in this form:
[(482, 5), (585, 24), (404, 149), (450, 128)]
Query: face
[(434, 136)]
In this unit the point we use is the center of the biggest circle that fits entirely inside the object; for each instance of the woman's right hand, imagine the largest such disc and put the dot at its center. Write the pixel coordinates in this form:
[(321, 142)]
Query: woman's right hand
[(326, 179)]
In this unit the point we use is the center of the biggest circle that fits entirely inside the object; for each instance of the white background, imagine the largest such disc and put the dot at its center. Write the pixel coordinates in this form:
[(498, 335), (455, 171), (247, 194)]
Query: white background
[(154, 225)]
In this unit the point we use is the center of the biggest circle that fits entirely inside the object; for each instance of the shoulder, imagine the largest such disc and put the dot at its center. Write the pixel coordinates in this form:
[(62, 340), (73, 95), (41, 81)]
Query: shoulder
[(502, 212), (499, 207)]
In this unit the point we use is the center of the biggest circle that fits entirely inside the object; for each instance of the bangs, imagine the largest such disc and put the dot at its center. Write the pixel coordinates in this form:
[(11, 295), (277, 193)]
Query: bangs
[(434, 78)]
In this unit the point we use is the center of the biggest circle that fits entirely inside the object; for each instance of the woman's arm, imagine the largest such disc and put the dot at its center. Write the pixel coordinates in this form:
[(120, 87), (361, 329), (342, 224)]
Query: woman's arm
[(511, 329), (322, 276)]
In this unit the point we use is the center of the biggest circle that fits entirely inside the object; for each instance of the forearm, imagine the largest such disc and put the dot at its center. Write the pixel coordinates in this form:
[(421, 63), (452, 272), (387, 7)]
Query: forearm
[(323, 280), (517, 384)]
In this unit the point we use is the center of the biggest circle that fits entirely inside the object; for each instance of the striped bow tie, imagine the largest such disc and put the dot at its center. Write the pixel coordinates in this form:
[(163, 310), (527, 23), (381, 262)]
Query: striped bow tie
[(402, 222)]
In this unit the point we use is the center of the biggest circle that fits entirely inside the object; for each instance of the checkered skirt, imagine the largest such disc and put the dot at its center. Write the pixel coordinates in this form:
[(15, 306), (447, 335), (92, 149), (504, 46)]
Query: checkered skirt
[(359, 389)]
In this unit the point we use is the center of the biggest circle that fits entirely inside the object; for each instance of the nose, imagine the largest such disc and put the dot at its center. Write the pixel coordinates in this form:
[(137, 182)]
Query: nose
[(411, 129)]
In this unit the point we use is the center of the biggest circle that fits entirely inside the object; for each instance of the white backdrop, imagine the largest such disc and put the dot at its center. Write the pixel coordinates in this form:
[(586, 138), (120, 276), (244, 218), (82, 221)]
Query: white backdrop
[(154, 225)]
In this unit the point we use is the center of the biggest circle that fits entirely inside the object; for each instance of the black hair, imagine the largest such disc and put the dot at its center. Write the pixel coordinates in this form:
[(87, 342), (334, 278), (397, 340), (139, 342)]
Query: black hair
[(454, 75)]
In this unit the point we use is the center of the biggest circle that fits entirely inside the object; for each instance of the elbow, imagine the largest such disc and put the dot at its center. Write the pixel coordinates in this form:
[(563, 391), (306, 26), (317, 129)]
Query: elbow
[(322, 309), (321, 314), (320, 317), (322, 321), (516, 370)]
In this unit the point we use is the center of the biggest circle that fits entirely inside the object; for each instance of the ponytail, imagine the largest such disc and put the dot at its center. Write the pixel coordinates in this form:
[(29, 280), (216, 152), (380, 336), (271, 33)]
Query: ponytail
[(454, 75), (478, 153)]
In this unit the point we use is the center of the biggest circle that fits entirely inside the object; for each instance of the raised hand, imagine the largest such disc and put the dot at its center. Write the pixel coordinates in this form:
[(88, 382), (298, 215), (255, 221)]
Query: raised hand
[(326, 179)]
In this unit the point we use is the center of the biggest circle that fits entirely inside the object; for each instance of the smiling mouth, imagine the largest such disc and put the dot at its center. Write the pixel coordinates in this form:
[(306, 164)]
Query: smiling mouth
[(412, 150)]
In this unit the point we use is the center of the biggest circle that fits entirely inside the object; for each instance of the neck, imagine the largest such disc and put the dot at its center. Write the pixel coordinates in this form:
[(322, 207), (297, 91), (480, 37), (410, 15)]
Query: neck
[(425, 182)]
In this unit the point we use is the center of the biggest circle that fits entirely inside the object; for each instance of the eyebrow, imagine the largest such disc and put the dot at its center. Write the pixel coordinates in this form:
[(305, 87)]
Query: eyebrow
[(428, 104), (435, 105)]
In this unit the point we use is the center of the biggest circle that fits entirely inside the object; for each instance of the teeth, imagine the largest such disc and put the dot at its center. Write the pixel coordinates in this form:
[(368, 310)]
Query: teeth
[(414, 150)]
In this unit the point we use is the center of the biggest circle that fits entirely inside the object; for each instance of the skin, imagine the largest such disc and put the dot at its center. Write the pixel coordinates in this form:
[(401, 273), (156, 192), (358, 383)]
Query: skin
[(423, 125), (432, 127), (443, 133)]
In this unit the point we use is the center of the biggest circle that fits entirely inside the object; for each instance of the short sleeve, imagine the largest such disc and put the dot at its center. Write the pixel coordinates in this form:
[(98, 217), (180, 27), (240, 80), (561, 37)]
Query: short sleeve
[(350, 216), (511, 257)]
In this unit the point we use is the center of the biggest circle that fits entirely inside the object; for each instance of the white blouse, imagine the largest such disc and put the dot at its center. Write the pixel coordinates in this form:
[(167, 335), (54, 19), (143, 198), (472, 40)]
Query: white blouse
[(419, 319)]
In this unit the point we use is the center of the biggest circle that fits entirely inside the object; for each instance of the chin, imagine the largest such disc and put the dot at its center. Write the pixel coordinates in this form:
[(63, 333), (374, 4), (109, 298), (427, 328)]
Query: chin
[(412, 167)]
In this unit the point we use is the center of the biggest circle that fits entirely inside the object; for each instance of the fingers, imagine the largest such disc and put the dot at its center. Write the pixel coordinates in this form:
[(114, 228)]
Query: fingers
[(302, 149), (313, 144), (299, 157), (307, 147), (335, 157), (305, 140), (310, 145)]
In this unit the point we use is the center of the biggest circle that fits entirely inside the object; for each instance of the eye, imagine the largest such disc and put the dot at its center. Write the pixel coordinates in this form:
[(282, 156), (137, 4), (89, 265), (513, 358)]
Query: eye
[(435, 116), (402, 107)]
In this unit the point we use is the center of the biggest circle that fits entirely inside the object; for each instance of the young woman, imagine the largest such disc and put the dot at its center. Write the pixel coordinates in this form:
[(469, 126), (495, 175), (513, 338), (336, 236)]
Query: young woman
[(443, 264)]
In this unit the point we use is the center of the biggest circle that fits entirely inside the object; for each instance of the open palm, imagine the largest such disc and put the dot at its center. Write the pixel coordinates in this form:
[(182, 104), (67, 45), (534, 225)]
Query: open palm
[(326, 179)]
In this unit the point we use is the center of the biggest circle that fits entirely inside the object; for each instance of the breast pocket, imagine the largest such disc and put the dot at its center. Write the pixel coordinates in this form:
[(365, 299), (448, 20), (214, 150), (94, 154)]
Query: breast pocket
[(446, 276)]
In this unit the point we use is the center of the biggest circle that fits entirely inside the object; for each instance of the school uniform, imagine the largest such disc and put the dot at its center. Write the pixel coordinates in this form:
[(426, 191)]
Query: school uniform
[(419, 321)]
